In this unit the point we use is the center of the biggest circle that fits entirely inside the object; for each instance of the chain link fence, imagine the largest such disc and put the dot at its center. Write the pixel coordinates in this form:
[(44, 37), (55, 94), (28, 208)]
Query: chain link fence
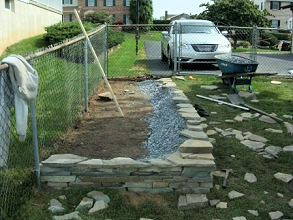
[(150, 49), (68, 77)]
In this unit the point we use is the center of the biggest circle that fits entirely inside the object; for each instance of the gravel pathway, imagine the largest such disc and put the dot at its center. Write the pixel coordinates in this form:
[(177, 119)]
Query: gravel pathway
[(165, 124)]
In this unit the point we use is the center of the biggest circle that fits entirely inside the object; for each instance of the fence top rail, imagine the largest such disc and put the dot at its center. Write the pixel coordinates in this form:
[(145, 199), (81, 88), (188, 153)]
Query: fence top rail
[(57, 47), (139, 25), (231, 27), (273, 29), (219, 26)]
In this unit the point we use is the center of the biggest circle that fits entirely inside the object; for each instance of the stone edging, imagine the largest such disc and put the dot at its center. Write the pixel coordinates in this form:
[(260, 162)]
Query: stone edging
[(187, 171)]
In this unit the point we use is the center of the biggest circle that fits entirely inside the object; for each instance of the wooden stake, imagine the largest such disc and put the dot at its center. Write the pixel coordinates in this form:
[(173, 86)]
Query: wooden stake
[(99, 64)]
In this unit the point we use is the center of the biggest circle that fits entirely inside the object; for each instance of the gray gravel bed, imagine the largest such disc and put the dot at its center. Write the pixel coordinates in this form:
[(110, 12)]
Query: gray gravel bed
[(165, 123)]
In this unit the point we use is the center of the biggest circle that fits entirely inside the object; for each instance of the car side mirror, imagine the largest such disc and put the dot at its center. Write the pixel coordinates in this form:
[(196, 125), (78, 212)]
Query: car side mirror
[(165, 33), (225, 33)]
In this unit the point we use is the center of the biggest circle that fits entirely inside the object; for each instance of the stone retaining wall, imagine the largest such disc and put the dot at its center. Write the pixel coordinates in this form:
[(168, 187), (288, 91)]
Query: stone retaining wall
[(187, 171)]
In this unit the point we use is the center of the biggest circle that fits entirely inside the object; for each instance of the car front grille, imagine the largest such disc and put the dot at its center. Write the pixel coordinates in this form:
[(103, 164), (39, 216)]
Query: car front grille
[(205, 47)]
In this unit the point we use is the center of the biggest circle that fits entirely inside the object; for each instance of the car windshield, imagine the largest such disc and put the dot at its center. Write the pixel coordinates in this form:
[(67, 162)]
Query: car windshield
[(186, 29)]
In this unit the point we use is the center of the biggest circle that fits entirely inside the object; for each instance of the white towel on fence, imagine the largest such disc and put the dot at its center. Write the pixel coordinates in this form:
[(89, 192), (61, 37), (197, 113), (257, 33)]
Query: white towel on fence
[(24, 80)]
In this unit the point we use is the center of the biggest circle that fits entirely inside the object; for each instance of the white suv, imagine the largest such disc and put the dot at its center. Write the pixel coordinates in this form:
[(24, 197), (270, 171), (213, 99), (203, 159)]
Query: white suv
[(198, 41)]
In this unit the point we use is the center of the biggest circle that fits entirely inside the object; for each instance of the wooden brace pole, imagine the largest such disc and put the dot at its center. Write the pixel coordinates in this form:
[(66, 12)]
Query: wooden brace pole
[(98, 62)]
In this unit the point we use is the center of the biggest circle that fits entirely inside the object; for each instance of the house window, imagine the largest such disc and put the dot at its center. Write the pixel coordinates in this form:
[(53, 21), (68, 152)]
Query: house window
[(275, 23), (8, 4), (275, 6), (67, 2), (67, 17), (126, 2), (261, 6), (109, 3), (91, 3), (126, 19)]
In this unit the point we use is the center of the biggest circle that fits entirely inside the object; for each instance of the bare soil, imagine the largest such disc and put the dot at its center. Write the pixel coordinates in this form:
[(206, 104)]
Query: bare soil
[(137, 200), (103, 134)]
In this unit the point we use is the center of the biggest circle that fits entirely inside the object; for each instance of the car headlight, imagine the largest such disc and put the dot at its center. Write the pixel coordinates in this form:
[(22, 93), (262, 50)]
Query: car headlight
[(225, 46)]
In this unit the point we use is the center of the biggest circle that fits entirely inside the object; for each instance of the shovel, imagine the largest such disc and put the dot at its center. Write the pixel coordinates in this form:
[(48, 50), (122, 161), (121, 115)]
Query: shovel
[(237, 100)]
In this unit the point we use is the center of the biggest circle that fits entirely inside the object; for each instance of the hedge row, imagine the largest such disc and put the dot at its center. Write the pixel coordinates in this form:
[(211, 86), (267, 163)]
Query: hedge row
[(161, 21), (62, 31)]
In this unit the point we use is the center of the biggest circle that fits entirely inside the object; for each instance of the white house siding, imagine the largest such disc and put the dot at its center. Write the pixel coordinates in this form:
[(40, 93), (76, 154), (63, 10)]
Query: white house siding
[(282, 15), (26, 19)]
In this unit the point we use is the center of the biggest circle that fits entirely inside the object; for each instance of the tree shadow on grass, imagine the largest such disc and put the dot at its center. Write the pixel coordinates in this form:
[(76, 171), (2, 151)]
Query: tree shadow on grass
[(41, 42)]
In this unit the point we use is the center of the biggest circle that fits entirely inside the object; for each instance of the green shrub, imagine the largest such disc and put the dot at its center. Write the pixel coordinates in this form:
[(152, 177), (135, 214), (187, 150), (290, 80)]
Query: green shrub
[(99, 17), (161, 28), (285, 31), (281, 36), (265, 43), (161, 21), (114, 37), (267, 36), (59, 32), (244, 44)]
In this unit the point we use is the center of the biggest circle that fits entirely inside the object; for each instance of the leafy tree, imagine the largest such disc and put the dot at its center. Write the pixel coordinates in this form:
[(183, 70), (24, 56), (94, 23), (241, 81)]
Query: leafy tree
[(145, 11), (243, 13), (235, 13), (98, 17)]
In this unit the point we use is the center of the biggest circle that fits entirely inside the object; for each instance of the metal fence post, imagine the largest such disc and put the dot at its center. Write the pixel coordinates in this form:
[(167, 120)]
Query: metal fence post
[(254, 41), (35, 139), (35, 142), (292, 37), (106, 50), (175, 46), (180, 49), (86, 89)]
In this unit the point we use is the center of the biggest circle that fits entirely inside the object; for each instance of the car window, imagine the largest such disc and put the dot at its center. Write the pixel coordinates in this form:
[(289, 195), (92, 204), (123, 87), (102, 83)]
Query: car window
[(199, 29)]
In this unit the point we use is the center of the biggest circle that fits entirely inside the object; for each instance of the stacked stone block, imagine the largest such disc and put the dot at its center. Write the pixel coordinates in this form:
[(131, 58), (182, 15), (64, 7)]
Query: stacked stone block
[(175, 174)]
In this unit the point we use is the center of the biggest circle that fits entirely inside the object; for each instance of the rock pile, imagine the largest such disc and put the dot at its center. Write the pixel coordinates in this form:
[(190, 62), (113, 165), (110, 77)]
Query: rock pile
[(94, 202)]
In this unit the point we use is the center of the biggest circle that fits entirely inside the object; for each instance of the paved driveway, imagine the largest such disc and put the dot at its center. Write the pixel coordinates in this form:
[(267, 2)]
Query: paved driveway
[(271, 63)]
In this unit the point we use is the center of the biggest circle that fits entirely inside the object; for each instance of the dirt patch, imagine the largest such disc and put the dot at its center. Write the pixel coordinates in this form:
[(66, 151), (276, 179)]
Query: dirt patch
[(103, 134), (137, 200)]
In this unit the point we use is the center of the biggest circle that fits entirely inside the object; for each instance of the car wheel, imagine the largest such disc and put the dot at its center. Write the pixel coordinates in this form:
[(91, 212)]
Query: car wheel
[(170, 61), (164, 58)]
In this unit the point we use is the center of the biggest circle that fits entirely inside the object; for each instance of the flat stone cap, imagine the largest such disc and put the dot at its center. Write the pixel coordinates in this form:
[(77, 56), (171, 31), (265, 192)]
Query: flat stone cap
[(179, 161), (63, 160)]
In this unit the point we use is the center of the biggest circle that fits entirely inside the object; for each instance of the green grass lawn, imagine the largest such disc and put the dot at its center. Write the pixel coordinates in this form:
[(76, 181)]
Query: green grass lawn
[(273, 98), (25, 46), (248, 50), (124, 62)]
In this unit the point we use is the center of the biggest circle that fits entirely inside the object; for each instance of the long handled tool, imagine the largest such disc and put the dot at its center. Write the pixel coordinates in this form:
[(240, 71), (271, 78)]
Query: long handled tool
[(236, 99), (98, 62), (227, 171), (225, 103)]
